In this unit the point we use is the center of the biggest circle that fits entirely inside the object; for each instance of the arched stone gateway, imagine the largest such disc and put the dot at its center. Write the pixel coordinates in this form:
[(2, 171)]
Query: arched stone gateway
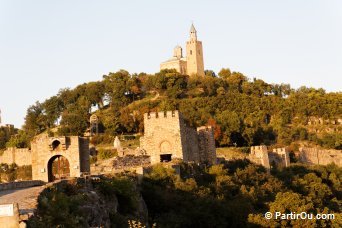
[(58, 168), (59, 157)]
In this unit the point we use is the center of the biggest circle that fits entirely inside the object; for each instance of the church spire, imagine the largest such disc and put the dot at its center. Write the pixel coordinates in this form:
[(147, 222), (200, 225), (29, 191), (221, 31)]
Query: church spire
[(193, 32)]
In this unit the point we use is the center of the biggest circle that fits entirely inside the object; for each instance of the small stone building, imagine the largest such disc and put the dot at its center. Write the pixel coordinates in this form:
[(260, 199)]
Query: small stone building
[(59, 157), (167, 137)]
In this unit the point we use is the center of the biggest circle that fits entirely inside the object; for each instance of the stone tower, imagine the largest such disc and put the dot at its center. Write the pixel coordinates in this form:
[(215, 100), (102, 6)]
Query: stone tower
[(168, 137), (194, 54)]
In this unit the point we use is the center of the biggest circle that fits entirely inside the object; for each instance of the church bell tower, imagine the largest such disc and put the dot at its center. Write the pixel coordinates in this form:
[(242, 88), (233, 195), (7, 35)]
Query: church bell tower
[(194, 54)]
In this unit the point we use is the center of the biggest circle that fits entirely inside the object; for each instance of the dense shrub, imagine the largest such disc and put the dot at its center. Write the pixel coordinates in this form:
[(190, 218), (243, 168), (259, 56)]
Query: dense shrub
[(238, 193), (106, 153), (110, 201), (13, 172)]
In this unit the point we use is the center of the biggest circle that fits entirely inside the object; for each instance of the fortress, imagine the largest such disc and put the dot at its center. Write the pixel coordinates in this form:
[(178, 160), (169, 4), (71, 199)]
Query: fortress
[(167, 137), (192, 64), (52, 157)]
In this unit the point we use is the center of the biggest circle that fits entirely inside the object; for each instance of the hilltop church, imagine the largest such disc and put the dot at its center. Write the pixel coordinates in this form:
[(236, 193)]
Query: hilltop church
[(192, 64)]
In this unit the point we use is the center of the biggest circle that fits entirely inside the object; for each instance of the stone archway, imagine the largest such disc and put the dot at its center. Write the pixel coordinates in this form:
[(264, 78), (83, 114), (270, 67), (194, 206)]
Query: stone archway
[(58, 168), (165, 146)]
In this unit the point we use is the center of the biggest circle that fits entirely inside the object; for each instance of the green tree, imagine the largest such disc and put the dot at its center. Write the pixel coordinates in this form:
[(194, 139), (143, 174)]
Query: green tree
[(224, 73)]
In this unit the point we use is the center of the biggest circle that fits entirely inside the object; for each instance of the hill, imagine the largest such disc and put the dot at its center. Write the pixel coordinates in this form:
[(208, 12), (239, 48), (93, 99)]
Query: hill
[(244, 112)]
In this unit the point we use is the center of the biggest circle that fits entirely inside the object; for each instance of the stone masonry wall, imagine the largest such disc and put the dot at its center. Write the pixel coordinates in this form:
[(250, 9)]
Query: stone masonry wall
[(19, 156), (84, 154), (162, 135), (72, 148), (280, 157), (206, 144), (320, 156), (20, 184), (167, 133), (259, 155), (191, 150)]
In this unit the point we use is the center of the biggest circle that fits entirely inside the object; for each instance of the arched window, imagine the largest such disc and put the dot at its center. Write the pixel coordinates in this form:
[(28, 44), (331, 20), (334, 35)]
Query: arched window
[(55, 144)]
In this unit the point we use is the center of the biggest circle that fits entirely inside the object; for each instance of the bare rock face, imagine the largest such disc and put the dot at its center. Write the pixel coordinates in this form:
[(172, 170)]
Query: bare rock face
[(98, 210), (142, 210), (104, 201)]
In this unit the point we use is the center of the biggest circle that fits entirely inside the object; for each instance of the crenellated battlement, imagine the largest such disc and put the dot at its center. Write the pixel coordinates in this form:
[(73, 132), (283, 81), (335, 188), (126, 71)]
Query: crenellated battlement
[(20, 156), (258, 149), (261, 155), (279, 150), (157, 115), (18, 150)]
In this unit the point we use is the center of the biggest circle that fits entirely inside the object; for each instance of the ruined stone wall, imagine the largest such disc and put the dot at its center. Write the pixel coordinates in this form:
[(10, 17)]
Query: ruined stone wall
[(320, 156), (206, 144), (19, 156), (280, 157), (259, 155)]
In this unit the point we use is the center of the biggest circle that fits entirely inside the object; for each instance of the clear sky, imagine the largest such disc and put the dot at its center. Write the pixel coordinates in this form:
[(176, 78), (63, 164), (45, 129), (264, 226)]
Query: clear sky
[(48, 45)]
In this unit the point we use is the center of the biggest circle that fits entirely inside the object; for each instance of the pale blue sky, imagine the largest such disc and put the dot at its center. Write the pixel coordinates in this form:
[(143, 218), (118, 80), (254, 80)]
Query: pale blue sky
[(48, 45)]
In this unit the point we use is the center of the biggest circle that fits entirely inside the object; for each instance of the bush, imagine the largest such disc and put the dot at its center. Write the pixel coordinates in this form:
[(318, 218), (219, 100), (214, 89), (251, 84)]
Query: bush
[(123, 189), (106, 153), (101, 139), (24, 172), (13, 172), (93, 159)]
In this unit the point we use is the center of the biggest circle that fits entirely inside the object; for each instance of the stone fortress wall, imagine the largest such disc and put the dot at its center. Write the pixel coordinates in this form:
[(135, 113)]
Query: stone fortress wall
[(19, 156), (260, 155), (280, 156), (319, 156), (320, 125), (167, 136), (45, 149)]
